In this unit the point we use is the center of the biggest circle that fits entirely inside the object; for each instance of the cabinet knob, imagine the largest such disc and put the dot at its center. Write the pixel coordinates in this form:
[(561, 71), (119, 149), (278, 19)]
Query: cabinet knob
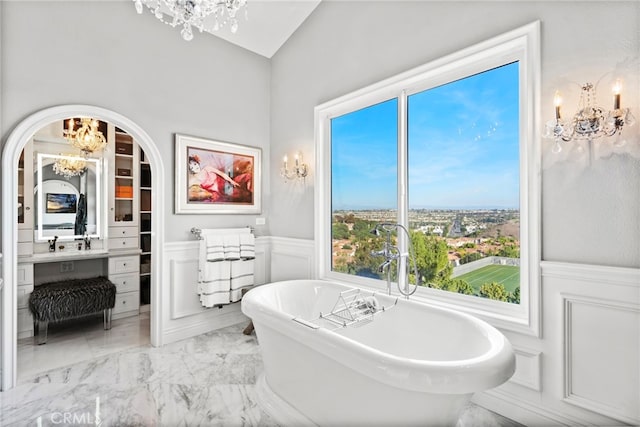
[(124, 243), (124, 232), (27, 208), (124, 264)]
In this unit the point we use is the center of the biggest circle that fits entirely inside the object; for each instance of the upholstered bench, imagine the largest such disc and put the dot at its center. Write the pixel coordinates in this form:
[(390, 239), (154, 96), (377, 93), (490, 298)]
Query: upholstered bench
[(67, 299)]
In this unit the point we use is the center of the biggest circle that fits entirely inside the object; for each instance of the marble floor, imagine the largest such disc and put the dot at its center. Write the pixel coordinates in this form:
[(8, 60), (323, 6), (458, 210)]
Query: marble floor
[(207, 380)]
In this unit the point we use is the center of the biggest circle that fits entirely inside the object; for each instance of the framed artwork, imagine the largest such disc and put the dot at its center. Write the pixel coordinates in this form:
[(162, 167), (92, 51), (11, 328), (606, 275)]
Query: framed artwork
[(216, 177)]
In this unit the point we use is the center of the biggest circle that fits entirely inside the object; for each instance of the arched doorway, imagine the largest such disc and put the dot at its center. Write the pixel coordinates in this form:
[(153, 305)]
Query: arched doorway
[(11, 152)]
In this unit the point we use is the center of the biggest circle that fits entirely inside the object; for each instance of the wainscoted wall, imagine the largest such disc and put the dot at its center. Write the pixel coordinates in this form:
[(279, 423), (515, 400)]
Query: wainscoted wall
[(184, 316), (585, 368)]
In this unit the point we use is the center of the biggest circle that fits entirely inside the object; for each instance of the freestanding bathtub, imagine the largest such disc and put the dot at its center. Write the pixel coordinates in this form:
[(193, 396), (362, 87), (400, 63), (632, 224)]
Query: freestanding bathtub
[(403, 364)]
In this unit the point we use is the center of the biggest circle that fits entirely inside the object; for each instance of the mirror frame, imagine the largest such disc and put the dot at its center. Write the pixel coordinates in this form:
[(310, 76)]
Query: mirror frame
[(39, 234)]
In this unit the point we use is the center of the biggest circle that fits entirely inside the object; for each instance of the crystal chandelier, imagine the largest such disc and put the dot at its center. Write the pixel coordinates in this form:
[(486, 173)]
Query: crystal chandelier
[(70, 166), (591, 121), (194, 13), (87, 138)]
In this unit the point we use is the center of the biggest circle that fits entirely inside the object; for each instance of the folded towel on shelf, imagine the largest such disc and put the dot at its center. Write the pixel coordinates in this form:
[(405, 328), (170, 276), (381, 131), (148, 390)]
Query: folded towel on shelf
[(247, 246), (231, 246)]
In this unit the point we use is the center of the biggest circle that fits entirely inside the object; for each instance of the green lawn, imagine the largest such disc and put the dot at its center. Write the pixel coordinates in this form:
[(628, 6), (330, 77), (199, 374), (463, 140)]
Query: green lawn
[(508, 275)]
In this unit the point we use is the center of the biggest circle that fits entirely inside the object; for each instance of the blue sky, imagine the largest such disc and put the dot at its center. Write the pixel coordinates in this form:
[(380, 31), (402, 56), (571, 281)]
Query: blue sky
[(463, 147)]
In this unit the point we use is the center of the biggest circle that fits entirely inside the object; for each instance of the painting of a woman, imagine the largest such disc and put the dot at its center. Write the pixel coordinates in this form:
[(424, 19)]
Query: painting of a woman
[(216, 177)]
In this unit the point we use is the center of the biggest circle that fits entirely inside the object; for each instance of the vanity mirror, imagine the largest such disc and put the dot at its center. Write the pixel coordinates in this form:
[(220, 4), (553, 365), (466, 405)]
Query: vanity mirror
[(68, 197)]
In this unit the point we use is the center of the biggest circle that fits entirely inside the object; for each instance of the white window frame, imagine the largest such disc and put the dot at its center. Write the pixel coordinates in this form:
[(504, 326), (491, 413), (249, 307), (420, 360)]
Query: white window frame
[(523, 45)]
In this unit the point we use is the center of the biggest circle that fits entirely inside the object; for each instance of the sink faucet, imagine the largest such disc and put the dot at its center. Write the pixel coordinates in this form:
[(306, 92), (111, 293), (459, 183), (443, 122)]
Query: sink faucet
[(392, 253)]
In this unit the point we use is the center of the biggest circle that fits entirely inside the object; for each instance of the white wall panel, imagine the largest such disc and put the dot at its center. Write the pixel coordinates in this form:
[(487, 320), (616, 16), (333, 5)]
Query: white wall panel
[(291, 259), (183, 314), (602, 356)]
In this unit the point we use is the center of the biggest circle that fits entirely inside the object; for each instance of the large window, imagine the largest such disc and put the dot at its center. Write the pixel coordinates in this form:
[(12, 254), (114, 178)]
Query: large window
[(447, 150)]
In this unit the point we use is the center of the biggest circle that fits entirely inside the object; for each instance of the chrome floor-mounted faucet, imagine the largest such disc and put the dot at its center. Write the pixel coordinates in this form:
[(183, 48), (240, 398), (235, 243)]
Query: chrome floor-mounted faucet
[(391, 253)]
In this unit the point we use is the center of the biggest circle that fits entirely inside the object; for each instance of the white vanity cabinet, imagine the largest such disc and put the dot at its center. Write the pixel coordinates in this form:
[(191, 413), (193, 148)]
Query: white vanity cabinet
[(25, 287), (124, 272), (123, 173)]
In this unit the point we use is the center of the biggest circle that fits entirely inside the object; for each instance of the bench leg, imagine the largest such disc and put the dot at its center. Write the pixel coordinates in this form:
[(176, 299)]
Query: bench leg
[(107, 319), (40, 331)]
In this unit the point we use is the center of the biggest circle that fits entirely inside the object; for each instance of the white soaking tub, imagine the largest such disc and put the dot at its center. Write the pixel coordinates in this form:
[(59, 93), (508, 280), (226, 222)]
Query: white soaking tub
[(396, 362)]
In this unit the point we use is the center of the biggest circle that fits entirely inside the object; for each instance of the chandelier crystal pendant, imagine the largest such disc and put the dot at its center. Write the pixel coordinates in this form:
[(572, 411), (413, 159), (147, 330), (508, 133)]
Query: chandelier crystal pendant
[(195, 13), (87, 138), (69, 166), (590, 121)]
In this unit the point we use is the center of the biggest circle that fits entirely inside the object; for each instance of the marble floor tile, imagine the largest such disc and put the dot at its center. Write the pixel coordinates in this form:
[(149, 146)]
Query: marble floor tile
[(208, 380)]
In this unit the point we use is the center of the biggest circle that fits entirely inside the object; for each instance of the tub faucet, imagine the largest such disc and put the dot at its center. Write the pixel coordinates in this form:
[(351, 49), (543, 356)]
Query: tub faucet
[(392, 253), (384, 266)]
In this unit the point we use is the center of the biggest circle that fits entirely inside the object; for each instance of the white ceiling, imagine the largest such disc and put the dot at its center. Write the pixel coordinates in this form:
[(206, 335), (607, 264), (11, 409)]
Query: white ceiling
[(268, 25)]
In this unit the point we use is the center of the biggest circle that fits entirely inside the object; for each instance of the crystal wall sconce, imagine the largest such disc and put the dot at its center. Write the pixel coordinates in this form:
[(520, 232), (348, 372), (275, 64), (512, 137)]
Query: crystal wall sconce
[(590, 121), (299, 171)]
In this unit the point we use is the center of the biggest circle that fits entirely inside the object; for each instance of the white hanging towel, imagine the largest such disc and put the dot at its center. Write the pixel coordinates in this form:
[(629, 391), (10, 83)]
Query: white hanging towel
[(247, 246), (222, 274), (214, 288), (231, 246), (214, 247), (241, 278)]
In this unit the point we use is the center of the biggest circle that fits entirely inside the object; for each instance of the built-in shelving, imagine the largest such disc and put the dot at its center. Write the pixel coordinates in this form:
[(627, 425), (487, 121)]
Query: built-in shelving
[(145, 230)]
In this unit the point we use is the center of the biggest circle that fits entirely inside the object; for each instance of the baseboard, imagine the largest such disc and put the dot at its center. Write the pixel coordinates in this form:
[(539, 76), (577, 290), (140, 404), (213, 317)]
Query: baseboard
[(520, 411), (205, 324)]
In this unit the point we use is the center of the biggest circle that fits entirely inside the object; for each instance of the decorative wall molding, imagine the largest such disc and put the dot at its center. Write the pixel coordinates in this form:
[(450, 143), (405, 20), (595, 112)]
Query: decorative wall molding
[(622, 276), (291, 259), (528, 368), (183, 315), (598, 330)]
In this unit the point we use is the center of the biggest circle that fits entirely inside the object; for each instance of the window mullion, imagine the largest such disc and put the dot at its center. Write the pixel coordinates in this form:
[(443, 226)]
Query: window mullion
[(403, 182)]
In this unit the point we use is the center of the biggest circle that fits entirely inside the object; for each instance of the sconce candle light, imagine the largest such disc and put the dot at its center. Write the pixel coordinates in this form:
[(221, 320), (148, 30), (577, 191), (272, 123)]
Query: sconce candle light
[(299, 171), (591, 121)]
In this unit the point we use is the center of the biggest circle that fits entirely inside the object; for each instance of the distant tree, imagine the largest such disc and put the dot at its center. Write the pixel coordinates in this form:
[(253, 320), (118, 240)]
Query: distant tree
[(494, 290), (431, 257), (457, 285), (362, 229), (340, 231), (509, 251), (470, 257), (364, 264), (514, 297)]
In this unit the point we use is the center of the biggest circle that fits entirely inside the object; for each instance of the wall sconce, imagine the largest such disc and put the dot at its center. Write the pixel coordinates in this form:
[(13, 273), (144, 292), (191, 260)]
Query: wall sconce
[(591, 121), (299, 171)]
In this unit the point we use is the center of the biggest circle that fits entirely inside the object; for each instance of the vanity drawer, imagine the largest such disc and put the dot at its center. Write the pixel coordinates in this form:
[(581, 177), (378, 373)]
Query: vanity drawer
[(127, 302), (126, 282), (24, 274), (123, 243), (25, 323), (25, 235), (25, 248), (124, 264), (117, 232), (23, 295)]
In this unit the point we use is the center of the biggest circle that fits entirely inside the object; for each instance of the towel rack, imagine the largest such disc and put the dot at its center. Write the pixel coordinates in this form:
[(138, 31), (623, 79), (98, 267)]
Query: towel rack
[(198, 231)]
